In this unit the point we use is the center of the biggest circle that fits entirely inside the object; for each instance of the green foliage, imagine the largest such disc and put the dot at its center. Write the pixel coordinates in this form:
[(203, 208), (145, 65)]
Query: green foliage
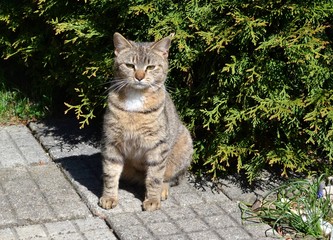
[(252, 79)]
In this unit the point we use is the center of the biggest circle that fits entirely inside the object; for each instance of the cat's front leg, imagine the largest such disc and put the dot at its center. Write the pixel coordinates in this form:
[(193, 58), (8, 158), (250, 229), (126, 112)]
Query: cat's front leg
[(154, 182), (112, 168)]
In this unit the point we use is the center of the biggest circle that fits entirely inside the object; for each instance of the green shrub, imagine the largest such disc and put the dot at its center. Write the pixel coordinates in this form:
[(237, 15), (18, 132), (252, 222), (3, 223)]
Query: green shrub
[(252, 79)]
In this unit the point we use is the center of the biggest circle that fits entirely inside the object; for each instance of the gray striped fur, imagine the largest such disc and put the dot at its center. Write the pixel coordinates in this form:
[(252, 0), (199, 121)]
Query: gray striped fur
[(144, 140)]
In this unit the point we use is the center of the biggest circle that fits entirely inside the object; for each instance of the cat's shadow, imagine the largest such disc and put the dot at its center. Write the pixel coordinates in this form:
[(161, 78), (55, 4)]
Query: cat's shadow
[(84, 169), (87, 171)]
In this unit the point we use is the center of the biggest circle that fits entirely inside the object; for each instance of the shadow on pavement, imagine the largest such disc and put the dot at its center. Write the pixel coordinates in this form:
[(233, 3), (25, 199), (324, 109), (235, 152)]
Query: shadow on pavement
[(80, 156)]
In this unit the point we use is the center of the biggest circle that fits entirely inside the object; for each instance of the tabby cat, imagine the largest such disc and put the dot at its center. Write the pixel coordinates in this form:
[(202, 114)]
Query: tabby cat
[(144, 140)]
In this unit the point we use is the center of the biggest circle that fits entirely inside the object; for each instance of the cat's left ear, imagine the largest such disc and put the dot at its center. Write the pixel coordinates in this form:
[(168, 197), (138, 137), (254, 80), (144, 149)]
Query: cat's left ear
[(163, 45)]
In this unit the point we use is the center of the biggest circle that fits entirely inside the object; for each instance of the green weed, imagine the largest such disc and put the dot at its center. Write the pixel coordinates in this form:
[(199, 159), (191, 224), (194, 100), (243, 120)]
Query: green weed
[(295, 209), (15, 107)]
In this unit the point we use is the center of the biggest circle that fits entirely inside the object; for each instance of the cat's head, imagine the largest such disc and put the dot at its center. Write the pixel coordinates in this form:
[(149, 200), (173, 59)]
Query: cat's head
[(140, 65)]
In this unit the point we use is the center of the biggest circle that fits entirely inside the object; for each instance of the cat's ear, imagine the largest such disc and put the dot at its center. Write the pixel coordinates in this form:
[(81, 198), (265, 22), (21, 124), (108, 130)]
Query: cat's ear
[(163, 45), (120, 43)]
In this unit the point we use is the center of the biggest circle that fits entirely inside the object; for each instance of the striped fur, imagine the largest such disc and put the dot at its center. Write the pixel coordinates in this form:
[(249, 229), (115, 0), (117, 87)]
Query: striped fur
[(144, 140)]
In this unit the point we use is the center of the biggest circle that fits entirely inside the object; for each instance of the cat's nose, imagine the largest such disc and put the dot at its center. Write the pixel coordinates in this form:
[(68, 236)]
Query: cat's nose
[(139, 75)]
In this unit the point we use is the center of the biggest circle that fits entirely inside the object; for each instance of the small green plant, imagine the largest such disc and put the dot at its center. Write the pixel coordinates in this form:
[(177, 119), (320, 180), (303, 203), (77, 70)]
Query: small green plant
[(297, 208), (15, 107)]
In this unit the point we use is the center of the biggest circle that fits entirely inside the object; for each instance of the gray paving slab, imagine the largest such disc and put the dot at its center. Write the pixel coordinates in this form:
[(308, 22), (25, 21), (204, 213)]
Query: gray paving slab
[(191, 212), (19, 147), (82, 229), (37, 201), (30, 198)]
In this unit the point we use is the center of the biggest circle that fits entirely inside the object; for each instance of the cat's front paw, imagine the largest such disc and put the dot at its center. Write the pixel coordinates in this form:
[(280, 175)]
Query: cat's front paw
[(151, 204), (108, 202)]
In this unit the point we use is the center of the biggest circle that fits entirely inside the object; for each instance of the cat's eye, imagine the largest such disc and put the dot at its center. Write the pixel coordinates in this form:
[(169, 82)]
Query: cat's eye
[(130, 65), (150, 67)]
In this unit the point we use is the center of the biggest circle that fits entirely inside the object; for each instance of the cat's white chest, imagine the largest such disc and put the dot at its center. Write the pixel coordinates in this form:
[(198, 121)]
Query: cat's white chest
[(134, 101)]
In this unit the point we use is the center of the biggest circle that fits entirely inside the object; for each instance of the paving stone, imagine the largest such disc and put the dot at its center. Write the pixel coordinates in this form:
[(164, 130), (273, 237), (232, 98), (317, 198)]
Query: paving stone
[(60, 228), (183, 187), (65, 230), (19, 147), (174, 237), (7, 218), (153, 217), (164, 228), (204, 235), (89, 224), (124, 220), (261, 230), (22, 196), (171, 202), (9, 174), (186, 199), (30, 232), (69, 236), (232, 209), (221, 221), (210, 196), (134, 232), (56, 196), (70, 210), (112, 212), (194, 225), (7, 234), (11, 158), (19, 196), (177, 213), (234, 233), (100, 234), (129, 204), (207, 209), (34, 213), (34, 155)]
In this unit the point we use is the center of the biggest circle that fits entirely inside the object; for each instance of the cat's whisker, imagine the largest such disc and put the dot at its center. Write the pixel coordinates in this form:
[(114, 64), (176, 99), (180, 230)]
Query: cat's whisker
[(170, 89), (154, 85), (118, 84), (110, 81)]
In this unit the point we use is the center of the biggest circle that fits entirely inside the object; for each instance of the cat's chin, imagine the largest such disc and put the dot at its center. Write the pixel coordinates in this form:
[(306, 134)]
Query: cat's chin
[(140, 86)]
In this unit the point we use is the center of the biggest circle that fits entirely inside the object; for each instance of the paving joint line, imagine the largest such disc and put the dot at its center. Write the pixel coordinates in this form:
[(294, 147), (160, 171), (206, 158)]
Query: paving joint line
[(79, 231)]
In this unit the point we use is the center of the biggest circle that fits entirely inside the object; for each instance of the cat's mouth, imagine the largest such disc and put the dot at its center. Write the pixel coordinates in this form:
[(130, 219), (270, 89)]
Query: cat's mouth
[(140, 85)]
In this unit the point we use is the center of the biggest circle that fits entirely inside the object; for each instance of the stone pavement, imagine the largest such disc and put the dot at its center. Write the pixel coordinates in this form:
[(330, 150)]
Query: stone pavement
[(50, 182)]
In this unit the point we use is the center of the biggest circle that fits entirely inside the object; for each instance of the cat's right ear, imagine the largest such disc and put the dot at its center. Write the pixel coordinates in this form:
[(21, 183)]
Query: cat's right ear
[(120, 43)]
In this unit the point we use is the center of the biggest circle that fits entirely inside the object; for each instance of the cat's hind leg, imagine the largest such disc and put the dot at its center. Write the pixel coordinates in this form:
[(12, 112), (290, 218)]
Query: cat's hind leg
[(179, 159)]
